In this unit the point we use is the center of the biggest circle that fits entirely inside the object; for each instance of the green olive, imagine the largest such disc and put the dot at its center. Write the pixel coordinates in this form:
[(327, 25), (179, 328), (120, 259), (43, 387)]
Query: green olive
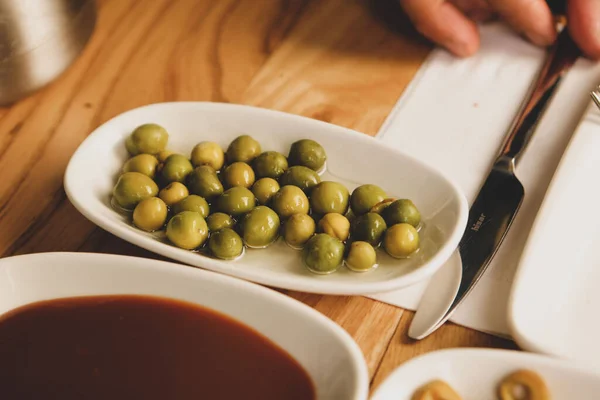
[(308, 153), (243, 148), (163, 155), (176, 168), (290, 200), (329, 197), (369, 228), (208, 153), (298, 229), (401, 240), (147, 138), (219, 221), (379, 207), (401, 211), (143, 163), (204, 182), (187, 230), (335, 225), (270, 164), (133, 187), (260, 227), (323, 254), (365, 197), (238, 174), (264, 189), (131, 149), (303, 177), (236, 201), (173, 193), (361, 257), (192, 203), (150, 214), (226, 244)]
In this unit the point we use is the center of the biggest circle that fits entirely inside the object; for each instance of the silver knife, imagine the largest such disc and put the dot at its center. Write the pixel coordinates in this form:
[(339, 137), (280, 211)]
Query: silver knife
[(501, 195)]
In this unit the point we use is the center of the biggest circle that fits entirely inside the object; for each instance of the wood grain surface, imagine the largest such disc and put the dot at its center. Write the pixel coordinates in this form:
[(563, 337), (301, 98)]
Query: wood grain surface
[(340, 61)]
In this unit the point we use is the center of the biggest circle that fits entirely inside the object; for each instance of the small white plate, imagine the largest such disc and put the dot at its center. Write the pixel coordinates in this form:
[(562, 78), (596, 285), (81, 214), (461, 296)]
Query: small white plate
[(553, 307), (475, 373), (353, 159), (326, 351)]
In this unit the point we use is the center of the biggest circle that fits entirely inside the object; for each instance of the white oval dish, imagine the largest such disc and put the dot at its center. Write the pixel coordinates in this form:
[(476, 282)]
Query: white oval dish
[(353, 159), (554, 299), (329, 355), (476, 373)]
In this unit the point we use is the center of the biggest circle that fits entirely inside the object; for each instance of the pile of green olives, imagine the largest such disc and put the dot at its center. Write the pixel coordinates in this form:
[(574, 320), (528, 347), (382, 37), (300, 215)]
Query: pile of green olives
[(221, 201)]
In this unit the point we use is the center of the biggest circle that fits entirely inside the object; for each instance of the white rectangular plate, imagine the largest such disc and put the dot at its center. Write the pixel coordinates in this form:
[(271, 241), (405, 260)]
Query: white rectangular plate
[(555, 297), (326, 351), (353, 159), (475, 374)]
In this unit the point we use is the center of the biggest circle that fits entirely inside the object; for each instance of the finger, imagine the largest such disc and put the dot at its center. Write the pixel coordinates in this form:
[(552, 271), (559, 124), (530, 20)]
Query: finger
[(441, 22), (530, 17), (583, 20), (477, 10)]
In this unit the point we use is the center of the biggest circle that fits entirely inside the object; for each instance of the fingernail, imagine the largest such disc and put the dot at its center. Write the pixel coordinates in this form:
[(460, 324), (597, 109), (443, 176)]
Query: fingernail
[(540, 39)]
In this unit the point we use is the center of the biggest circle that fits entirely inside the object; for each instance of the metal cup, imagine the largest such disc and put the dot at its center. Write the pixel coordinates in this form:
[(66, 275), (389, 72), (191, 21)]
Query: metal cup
[(39, 39)]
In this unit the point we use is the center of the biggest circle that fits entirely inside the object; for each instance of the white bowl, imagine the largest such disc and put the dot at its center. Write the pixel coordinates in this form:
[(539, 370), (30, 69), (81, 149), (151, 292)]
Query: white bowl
[(329, 355), (475, 374), (353, 158)]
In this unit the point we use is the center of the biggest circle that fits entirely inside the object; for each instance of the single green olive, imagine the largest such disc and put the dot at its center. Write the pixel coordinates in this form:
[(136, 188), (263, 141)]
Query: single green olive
[(143, 163), (243, 148), (226, 244), (323, 254), (204, 182), (365, 197), (264, 189), (270, 164), (163, 155), (208, 153), (218, 221), (369, 228), (335, 225), (329, 197), (238, 174), (290, 200), (401, 211), (298, 229), (260, 227), (173, 193), (379, 207), (187, 230), (401, 240), (150, 214), (236, 201), (175, 169), (194, 203), (148, 139), (308, 153), (133, 187), (361, 257), (303, 177)]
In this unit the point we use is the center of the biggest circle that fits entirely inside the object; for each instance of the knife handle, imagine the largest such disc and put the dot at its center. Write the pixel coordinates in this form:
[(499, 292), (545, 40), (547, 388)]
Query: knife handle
[(562, 55)]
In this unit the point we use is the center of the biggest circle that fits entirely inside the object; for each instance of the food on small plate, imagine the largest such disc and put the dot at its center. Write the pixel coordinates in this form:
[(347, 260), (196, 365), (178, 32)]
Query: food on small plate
[(220, 202), (436, 390), (523, 384), (518, 385)]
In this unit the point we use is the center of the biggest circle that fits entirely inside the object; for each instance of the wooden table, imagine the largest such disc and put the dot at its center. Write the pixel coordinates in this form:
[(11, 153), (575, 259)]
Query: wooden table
[(340, 61)]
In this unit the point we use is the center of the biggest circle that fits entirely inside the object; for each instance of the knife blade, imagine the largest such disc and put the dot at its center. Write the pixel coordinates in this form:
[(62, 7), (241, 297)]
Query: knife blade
[(501, 195)]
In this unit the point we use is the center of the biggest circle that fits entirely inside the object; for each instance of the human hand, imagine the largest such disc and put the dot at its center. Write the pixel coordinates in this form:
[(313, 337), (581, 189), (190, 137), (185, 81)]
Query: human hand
[(452, 23)]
